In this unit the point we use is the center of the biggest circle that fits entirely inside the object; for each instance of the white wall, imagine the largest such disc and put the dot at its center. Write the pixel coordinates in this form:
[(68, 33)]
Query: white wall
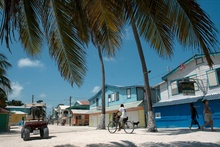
[(190, 69)]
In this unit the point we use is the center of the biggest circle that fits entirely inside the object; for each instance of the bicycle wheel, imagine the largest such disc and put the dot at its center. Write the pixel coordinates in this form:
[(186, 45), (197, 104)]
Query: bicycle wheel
[(128, 127), (112, 127)]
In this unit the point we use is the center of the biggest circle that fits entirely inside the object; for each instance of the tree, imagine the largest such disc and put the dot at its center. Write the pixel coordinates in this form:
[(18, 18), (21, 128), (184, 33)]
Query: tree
[(158, 22), (106, 30), (15, 103), (38, 111), (67, 32), (5, 86)]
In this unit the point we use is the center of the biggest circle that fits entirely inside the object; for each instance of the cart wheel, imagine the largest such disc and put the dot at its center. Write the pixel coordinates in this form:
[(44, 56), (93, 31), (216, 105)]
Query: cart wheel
[(45, 133), (26, 134)]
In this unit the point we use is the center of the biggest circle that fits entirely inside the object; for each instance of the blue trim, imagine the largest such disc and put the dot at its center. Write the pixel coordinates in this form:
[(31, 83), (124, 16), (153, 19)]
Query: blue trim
[(186, 62)]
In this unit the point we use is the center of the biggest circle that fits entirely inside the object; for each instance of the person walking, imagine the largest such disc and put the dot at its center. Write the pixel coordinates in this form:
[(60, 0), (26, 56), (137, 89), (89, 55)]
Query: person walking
[(194, 114), (207, 115)]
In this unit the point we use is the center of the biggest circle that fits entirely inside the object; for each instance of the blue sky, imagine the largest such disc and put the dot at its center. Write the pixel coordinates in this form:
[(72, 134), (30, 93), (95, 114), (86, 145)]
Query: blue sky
[(40, 76)]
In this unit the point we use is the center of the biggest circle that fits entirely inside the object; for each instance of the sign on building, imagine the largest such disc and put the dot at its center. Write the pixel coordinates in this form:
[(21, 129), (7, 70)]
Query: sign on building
[(188, 87)]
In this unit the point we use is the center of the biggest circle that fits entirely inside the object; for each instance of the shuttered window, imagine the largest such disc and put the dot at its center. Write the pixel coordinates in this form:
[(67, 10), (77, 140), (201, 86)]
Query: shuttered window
[(212, 78)]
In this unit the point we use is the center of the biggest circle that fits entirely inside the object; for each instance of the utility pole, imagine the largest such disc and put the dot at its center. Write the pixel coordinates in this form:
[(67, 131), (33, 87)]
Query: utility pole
[(32, 98), (70, 112)]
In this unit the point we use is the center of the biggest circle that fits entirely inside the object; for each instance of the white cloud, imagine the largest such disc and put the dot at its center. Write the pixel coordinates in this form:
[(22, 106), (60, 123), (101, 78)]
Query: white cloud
[(42, 95), (16, 91), (95, 89), (109, 59), (26, 62), (127, 35)]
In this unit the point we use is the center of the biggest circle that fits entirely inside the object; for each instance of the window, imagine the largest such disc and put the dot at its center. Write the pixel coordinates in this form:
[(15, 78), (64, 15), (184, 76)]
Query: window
[(113, 97), (199, 61), (128, 91), (213, 77), (109, 98), (97, 102), (176, 87), (117, 96)]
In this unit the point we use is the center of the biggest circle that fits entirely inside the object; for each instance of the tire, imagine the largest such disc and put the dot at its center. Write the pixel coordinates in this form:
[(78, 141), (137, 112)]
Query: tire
[(26, 134), (112, 127), (22, 130), (44, 133), (128, 127)]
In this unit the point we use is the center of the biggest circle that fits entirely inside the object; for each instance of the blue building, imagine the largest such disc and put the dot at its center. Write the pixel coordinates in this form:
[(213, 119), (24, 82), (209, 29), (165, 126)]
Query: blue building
[(191, 82), (133, 98)]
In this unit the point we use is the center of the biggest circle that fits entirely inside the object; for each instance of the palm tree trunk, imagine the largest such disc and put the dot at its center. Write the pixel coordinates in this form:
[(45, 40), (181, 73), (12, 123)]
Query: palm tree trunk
[(102, 117), (151, 127)]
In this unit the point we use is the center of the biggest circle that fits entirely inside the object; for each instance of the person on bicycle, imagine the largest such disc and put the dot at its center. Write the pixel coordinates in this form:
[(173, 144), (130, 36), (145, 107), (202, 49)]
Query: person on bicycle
[(123, 117)]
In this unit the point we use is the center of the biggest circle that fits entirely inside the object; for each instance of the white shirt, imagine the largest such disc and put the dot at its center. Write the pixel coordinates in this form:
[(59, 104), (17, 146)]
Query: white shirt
[(123, 111)]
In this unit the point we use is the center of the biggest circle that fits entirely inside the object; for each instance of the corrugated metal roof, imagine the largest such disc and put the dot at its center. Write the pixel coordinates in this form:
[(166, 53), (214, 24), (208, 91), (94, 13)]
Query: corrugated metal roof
[(212, 97), (188, 100), (177, 102), (116, 107)]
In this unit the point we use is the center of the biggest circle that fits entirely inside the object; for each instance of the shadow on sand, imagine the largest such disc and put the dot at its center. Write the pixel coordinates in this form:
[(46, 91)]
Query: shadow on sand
[(151, 144), (39, 138)]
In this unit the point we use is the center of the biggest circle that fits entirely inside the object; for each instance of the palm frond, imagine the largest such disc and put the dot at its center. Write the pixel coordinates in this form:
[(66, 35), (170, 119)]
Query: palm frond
[(9, 20), (106, 23), (66, 46), (30, 32), (154, 25), (193, 27)]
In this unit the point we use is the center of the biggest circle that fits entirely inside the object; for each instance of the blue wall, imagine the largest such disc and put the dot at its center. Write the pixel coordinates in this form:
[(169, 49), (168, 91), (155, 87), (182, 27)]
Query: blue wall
[(180, 116), (137, 93)]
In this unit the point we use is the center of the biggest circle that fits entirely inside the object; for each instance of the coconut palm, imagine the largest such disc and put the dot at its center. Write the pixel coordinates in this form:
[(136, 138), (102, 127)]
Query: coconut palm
[(106, 31), (15, 103), (59, 21), (66, 29), (5, 86), (158, 22)]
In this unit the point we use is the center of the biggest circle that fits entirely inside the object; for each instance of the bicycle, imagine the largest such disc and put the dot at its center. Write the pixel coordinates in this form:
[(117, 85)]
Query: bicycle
[(128, 126)]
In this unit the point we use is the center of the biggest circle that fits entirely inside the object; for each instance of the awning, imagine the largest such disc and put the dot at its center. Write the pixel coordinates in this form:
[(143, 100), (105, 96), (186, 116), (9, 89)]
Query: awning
[(187, 100), (77, 111)]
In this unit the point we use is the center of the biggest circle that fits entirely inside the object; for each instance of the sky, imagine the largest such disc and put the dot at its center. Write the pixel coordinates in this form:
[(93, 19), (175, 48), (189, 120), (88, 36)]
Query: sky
[(40, 76)]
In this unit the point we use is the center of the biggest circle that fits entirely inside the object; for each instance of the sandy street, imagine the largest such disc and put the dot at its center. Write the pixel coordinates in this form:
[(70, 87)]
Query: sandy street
[(72, 136)]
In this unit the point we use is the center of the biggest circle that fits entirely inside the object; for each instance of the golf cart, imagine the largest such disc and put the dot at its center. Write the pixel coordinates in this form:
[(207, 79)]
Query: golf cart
[(35, 122)]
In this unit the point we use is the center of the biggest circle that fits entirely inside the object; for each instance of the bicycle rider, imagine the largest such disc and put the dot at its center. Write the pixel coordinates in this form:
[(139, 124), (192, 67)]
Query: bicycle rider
[(123, 117)]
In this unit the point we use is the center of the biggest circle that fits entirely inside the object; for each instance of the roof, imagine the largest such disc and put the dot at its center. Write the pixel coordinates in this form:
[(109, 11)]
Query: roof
[(62, 107), (77, 111), (116, 86), (186, 62), (8, 107), (83, 102), (35, 105), (18, 112), (212, 97), (116, 107), (3, 110), (187, 100)]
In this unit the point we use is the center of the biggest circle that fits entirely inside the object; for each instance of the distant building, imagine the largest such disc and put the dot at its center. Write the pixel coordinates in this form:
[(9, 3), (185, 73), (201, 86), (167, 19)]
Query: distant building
[(4, 120), (191, 82), (17, 114), (133, 98), (80, 113)]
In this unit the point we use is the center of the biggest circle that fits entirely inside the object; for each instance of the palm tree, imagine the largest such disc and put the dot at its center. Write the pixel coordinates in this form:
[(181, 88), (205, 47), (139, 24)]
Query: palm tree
[(158, 22), (5, 86), (60, 21), (15, 103), (65, 27), (38, 111), (106, 30)]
